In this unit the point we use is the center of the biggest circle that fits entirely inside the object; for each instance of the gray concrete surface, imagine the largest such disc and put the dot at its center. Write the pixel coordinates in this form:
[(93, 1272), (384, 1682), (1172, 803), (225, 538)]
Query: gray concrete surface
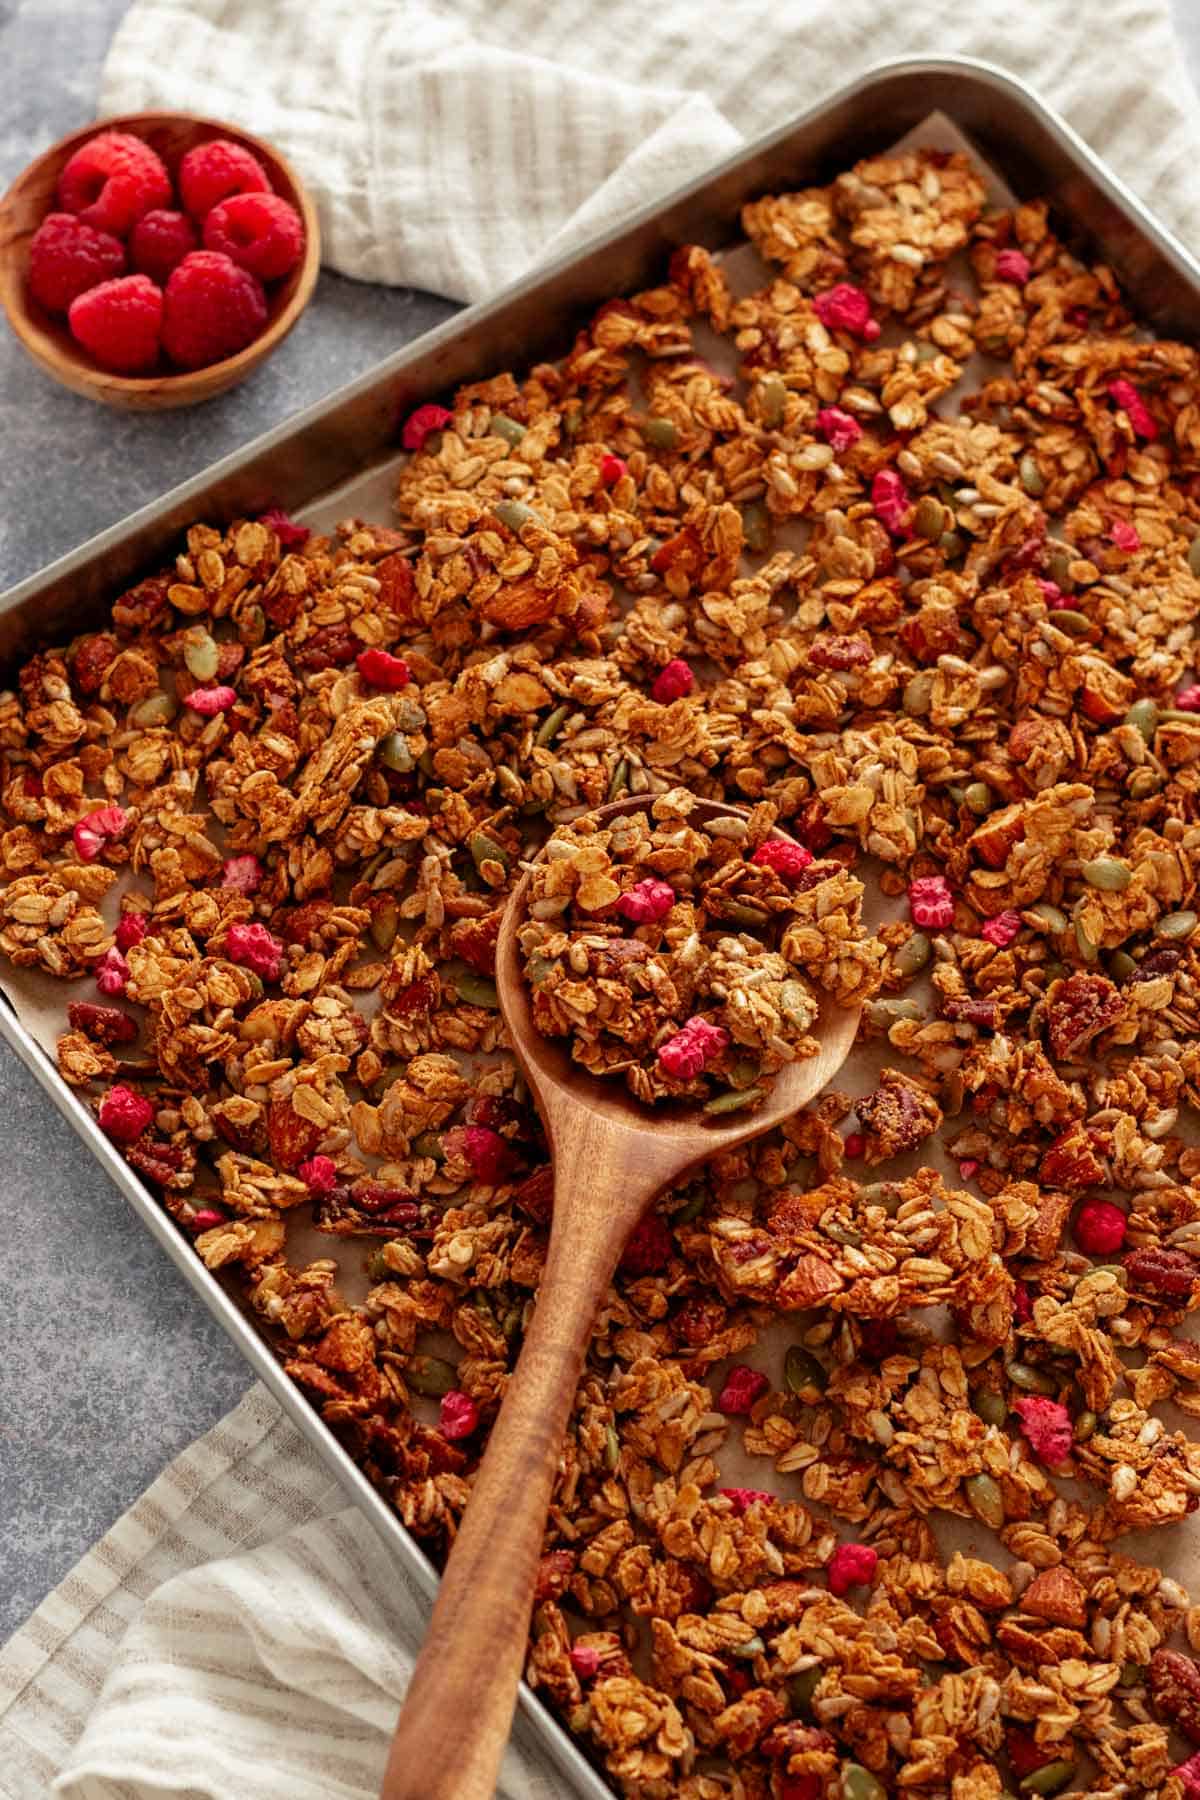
[(109, 1364)]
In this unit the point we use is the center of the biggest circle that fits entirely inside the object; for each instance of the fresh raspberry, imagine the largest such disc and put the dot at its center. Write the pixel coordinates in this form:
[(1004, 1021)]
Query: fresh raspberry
[(930, 902), (584, 1660), (319, 1174), (131, 929), (673, 682), (291, 536), (743, 1386), (159, 241), (124, 1115), (649, 1248), (1047, 1426), (243, 874), (422, 424), (855, 1145), (1022, 1303), (119, 323), (1100, 1227), (112, 180), (1188, 699), (893, 507), (254, 946), (93, 831), (647, 902), (692, 1048), (112, 972), (1122, 393), (846, 308), (1124, 535), (786, 858), (260, 232), (212, 172), (382, 670), (744, 1498), (210, 701), (1002, 930), (458, 1415), (66, 257), (611, 469), (840, 430), (212, 309), (852, 1565), (1014, 266)]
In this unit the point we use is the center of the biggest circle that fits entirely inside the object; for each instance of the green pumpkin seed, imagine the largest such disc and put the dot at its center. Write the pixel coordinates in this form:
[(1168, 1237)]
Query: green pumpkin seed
[(803, 1375), (425, 762), (429, 1143), (1143, 714), (394, 753), (917, 697), (1053, 971), (1032, 479), (385, 922), (1029, 1380), (1121, 965), (661, 433), (476, 990), (1049, 1778), (795, 1004), (1133, 1674), (740, 914), (929, 518), (1117, 1269), (612, 1449), (1144, 783), (1194, 556), (1107, 874), (734, 1100), (538, 967), (859, 1784), (550, 726), (883, 1014), (200, 653), (378, 1268), (429, 1375), (1085, 1426), (913, 955), (1049, 917), (887, 1194), (952, 544), (985, 1500), (1075, 624), (1060, 569), (746, 1652), (990, 1406), (978, 797), (772, 394), (506, 428), (485, 849), (756, 525), (155, 709), (618, 781), (802, 1687), (1177, 926), (515, 514), (691, 1209)]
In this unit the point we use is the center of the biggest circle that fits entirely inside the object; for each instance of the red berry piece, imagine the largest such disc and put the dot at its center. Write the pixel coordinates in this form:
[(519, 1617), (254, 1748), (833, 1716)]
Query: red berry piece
[(841, 430), (785, 857), (422, 424), (259, 232), (1003, 929), (120, 323), (319, 1174), (159, 242), (131, 929), (1013, 266), (930, 902), (647, 901), (254, 946), (458, 1415), (846, 308), (112, 180), (890, 498), (291, 536), (1047, 1427), (66, 257), (852, 1565), (692, 1048), (672, 682), (650, 1247), (382, 669), (212, 172), (743, 1386), (744, 1498), (1100, 1227), (112, 972), (124, 1115), (212, 310)]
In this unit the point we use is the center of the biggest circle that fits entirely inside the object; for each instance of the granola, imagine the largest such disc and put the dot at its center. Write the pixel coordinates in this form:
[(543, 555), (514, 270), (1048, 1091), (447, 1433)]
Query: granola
[(264, 821)]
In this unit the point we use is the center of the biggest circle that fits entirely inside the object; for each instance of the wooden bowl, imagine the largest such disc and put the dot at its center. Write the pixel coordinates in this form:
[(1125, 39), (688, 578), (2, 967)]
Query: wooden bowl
[(46, 337)]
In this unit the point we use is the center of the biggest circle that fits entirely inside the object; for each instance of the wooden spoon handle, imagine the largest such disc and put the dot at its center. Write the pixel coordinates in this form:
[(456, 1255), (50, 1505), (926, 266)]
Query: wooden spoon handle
[(458, 1711)]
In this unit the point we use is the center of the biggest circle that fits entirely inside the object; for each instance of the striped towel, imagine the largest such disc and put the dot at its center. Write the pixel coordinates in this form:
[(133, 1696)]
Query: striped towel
[(240, 1634), (451, 144)]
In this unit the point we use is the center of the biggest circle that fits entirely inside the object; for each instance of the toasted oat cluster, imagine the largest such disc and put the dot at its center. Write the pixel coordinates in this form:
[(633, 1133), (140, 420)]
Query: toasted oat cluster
[(672, 952), (942, 628)]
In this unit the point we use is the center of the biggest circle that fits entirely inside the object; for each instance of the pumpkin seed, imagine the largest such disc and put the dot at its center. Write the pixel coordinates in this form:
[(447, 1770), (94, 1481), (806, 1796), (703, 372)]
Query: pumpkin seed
[(859, 1784), (200, 653), (394, 753), (1117, 1269), (756, 525), (1145, 782), (691, 1209), (485, 849), (917, 697), (795, 1005), (429, 1143), (887, 1194), (155, 709), (1060, 569), (1075, 624), (1133, 1674), (1107, 874), (741, 914), (1049, 1778), (929, 518), (662, 433), (506, 428), (1194, 556), (1143, 714), (913, 955), (378, 1268), (803, 1375), (429, 1375), (1121, 965), (802, 1687), (990, 1406), (550, 726), (515, 514), (1032, 479), (772, 394), (476, 990), (612, 1449), (746, 1652), (618, 781), (1029, 1380), (1049, 917), (733, 1100), (952, 544), (1176, 926), (985, 1500), (385, 922), (885, 1013), (538, 967), (1085, 1425), (1053, 971), (978, 797)]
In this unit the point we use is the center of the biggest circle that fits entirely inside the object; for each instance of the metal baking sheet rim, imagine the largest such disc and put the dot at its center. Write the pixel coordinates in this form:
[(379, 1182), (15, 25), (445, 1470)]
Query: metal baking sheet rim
[(722, 188)]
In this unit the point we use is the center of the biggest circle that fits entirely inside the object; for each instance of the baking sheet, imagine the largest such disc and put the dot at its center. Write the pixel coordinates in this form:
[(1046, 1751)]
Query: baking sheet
[(40, 1001)]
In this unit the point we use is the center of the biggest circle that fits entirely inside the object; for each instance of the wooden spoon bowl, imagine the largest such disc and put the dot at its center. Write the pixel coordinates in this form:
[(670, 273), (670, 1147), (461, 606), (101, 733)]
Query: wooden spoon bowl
[(46, 337), (612, 1155)]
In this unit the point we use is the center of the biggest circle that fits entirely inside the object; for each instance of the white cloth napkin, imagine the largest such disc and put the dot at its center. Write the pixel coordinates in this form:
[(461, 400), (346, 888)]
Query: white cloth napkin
[(240, 1634), (451, 144)]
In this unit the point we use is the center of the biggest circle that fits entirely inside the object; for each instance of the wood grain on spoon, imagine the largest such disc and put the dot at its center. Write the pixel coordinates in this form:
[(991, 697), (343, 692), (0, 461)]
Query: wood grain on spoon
[(612, 1155)]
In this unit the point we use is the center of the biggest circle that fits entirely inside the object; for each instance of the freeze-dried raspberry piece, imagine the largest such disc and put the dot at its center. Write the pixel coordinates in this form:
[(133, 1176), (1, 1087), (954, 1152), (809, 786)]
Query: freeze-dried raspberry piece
[(124, 1115), (799, 1787), (692, 1048), (210, 701), (846, 308), (211, 310), (119, 323), (254, 946), (1100, 1227), (841, 430), (243, 874), (743, 1386), (1188, 699), (1002, 930), (383, 670), (458, 1415), (112, 972), (131, 929), (1123, 394), (66, 257), (1124, 535), (260, 232), (968, 1168), (103, 1024), (787, 858), (488, 1155), (611, 469), (855, 1145), (893, 507), (1022, 1303), (160, 241), (1025, 1753), (650, 1247), (930, 902), (211, 172), (291, 536), (112, 180), (93, 831), (1014, 266), (584, 1660), (672, 682), (1053, 595), (744, 1498), (647, 901), (852, 1565), (319, 1174), (1047, 1426), (422, 424), (1187, 1774)]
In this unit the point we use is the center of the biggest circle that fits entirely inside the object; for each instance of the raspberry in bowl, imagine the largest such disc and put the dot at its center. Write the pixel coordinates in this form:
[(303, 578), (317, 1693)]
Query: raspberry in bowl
[(153, 261)]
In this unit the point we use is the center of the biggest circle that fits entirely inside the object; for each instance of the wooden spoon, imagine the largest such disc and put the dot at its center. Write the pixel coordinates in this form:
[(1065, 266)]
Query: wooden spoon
[(612, 1155)]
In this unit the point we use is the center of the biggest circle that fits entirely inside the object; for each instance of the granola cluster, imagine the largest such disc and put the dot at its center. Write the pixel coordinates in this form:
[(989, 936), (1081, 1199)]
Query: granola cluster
[(672, 951), (264, 822)]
